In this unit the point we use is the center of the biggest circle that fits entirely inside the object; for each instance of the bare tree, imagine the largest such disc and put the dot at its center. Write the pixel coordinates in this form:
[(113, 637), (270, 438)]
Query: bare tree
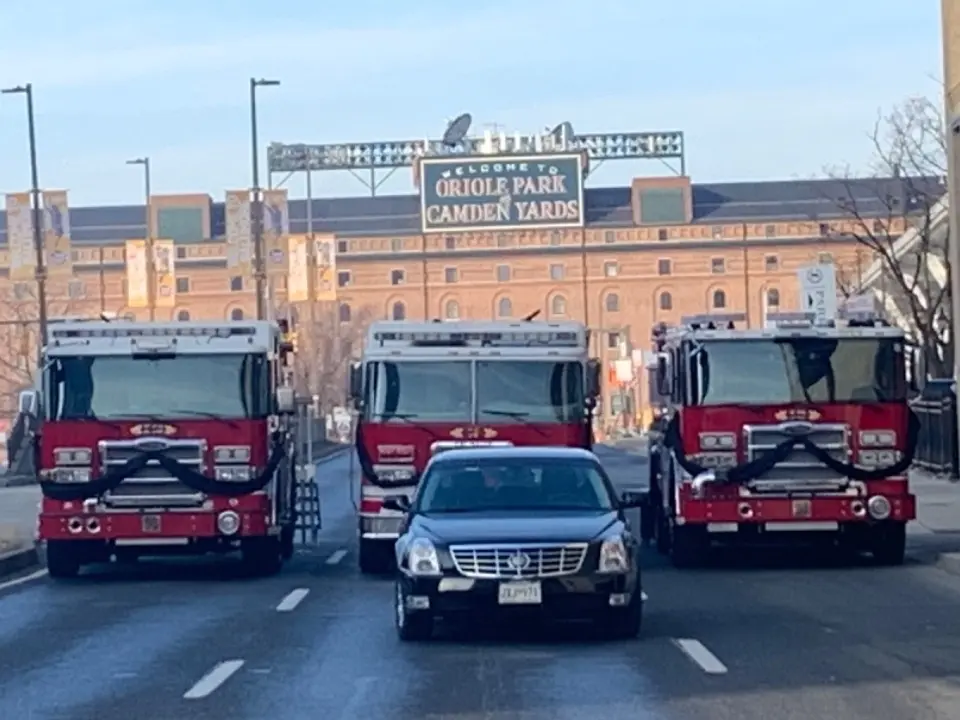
[(328, 338), (896, 216)]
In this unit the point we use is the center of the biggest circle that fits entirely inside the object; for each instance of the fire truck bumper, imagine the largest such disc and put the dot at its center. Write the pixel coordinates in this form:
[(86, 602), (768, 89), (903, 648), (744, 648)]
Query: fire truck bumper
[(799, 514), (380, 526)]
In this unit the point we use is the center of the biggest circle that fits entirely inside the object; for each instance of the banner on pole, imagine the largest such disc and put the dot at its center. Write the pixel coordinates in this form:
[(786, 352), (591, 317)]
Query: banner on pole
[(164, 265), (298, 280), (238, 232), (23, 256), (325, 257), (137, 274), (276, 230), (56, 233)]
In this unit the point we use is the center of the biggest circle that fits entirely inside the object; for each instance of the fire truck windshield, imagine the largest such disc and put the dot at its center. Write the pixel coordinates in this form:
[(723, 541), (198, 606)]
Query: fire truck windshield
[(502, 391), (181, 387), (796, 370)]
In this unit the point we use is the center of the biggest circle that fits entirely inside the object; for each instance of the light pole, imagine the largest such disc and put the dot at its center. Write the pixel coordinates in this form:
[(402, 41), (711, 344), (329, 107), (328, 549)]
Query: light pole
[(259, 272), (41, 268), (151, 261)]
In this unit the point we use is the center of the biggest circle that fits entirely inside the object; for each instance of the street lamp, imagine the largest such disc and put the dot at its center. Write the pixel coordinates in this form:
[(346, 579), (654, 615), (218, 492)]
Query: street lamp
[(260, 274), (151, 261), (41, 268)]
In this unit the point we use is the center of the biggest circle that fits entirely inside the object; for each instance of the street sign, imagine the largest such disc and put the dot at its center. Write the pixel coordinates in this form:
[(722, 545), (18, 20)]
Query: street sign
[(818, 291)]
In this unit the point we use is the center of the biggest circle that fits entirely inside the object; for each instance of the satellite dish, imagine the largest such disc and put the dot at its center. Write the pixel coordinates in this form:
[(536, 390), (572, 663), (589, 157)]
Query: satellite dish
[(563, 134), (457, 130)]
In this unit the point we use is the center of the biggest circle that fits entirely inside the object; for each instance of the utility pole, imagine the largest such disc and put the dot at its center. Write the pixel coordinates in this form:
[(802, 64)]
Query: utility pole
[(950, 12), (151, 260), (256, 202), (41, 267)]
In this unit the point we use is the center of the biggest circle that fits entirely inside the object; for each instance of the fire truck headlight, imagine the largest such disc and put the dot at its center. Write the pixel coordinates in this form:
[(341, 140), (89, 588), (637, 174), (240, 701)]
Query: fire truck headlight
[(72, 456), (613, 557), (878, 438), (422, 558), (240, 473), (867, 458), (228, 522), (66, 475), (231, 453), (879, 507), (887, 457), (718, 441)]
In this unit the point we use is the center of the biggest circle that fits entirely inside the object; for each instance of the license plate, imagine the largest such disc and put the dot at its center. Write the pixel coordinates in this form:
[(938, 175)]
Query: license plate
[(150, 523), (520, 593), (802, 509)]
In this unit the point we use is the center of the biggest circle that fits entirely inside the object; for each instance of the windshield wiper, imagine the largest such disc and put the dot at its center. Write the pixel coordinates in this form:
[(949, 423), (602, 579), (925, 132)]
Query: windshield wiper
[(514, 415), (201, 413), (408, 418)]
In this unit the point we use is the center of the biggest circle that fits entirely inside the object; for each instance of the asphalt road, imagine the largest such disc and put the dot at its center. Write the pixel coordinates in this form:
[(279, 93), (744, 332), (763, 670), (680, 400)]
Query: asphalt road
[(746, 640)]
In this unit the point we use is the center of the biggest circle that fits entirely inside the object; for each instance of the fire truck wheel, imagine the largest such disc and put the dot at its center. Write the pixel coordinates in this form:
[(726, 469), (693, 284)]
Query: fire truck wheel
[(411, 626), (287, 541), (262, 556), (688, 546), (376, 557), (62, 559), (890, 544)]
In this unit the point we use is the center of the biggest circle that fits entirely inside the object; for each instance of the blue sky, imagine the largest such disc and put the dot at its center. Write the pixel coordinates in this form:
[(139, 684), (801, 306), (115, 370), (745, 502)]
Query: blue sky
[(763, 89)]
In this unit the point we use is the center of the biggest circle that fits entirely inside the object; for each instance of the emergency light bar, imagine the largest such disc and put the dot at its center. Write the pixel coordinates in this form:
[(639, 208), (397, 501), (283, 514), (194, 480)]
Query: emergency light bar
[(483, 339), (715, 318), (792, 319), (122, 332)]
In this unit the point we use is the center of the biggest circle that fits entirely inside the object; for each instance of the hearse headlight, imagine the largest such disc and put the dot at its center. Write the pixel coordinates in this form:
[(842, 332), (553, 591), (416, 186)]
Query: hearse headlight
[(231, 454), (72, 456), (240, 473), (878, 438), (422, 558), (717, 441), (613, 556), (66, 475)]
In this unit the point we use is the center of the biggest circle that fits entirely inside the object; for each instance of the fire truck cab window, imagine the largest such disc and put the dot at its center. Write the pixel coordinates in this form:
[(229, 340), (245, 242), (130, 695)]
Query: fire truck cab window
[(173, 388), (425, 391), (786, 370), (529, 390)]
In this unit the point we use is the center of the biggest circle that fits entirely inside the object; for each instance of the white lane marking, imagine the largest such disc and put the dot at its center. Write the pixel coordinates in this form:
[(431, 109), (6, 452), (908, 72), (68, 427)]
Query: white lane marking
[(25, 579), (206, 685), (643, 596), (698, 652), (294, 598), (337, 557)]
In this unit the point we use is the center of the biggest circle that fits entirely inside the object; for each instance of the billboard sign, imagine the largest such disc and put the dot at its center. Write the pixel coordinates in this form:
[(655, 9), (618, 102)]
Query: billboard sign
[(501, 192)]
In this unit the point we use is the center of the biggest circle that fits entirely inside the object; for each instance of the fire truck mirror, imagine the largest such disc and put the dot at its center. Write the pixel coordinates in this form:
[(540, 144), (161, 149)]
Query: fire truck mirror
[(30, 402), (356, 383), (913, 382), (664, 377), (286, 401), (593, 378)]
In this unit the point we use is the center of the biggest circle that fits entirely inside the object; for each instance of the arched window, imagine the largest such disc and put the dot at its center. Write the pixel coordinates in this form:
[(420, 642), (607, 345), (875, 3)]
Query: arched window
[(719, 299), (183, 315), (666, 301), (504, 308), (773, 298), (612, 302), (558, 305), (236, 314), (345, 313), (451, 311), (399, 311)]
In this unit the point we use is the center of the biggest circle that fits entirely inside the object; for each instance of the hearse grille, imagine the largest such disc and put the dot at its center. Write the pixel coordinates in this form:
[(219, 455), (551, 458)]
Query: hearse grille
[(152, 485), (800, 471), (518, 561)]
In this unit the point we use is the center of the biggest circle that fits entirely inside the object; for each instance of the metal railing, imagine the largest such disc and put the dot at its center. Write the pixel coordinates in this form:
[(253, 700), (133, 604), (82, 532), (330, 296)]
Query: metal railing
[(937, 447)]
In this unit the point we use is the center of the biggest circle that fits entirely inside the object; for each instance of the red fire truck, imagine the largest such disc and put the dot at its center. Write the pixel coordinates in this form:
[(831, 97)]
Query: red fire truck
[(793, 432), (166, 438), (423, 387)]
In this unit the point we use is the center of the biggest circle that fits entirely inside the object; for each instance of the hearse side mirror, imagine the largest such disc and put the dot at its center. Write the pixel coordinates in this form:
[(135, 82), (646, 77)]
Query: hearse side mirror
[(356, 384), (633, 498), (593, 378), (286, 401), (664, 377), (399, 503)]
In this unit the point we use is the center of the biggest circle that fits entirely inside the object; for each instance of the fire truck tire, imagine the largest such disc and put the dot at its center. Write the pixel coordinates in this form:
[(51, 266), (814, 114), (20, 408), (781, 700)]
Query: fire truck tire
[(889, 546), (63, 560), (262, 556), (287, 541), (376, 557), (688, 546)]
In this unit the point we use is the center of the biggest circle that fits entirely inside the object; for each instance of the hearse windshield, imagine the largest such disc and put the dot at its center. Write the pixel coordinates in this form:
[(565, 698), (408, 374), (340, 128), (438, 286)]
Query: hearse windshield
[(178, 387), (796, 370)]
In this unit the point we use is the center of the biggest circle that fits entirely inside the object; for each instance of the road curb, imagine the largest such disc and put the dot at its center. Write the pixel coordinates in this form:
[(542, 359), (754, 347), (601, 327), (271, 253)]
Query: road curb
[(949, 562), (15, 561)]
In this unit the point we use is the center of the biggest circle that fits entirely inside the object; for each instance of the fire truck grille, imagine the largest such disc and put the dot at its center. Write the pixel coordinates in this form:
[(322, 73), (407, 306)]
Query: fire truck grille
[(800, 471), (152, 485), (517, 561)]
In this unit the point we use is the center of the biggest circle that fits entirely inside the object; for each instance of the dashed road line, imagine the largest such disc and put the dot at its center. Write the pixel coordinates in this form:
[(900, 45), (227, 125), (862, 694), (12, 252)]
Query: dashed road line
[(208, 684), (25, 579), (293, 598), (698, 652), (337, 557)]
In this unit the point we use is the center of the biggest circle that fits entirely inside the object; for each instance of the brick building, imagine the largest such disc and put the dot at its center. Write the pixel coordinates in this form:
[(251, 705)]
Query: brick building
[(736, 248)]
